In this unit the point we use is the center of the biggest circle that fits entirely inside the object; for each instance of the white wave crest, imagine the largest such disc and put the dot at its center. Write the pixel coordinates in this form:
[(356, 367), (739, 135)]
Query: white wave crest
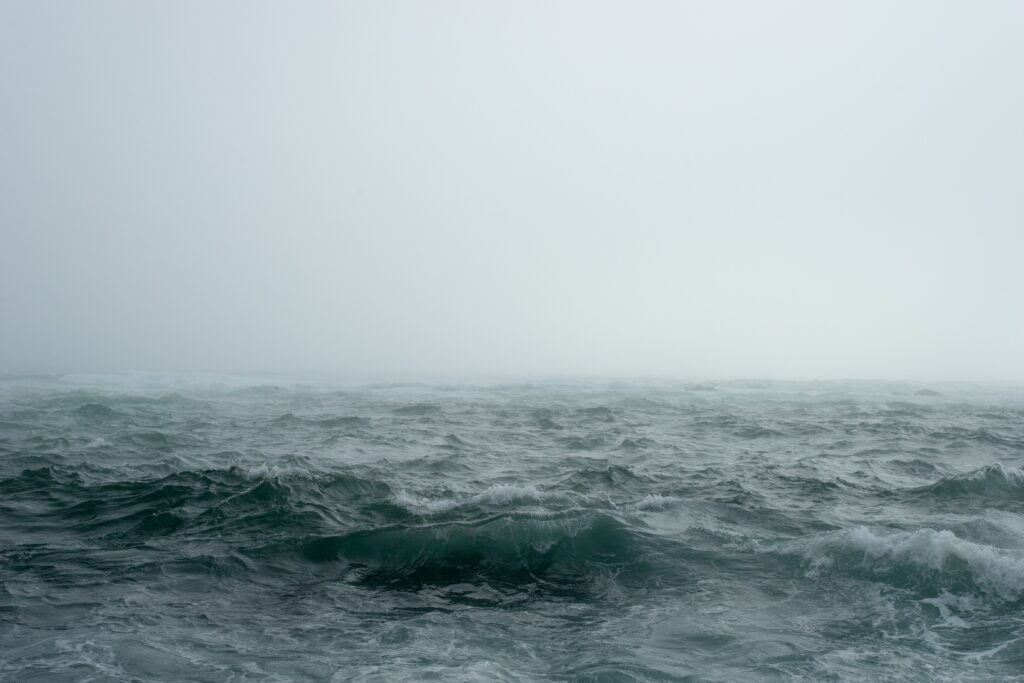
[(499, 494)]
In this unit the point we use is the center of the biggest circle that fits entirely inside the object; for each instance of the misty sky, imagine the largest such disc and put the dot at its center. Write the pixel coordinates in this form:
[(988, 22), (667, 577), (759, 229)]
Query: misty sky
[(379, 189)]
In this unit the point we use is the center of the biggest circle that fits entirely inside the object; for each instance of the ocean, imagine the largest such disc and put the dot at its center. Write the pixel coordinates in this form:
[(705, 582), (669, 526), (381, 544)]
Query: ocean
[(215, 528)]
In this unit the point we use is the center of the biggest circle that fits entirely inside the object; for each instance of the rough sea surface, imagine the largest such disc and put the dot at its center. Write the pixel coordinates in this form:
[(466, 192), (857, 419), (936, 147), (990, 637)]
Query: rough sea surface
[(173, 528)]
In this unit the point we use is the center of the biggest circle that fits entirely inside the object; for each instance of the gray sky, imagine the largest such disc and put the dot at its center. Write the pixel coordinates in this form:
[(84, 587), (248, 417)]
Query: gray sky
[(696, 189)]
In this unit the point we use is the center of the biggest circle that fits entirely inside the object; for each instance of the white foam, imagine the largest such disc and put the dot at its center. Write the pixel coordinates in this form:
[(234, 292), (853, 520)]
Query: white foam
[(419, 505), (263, 471), (499, 494), (946, 603), (654, 501)]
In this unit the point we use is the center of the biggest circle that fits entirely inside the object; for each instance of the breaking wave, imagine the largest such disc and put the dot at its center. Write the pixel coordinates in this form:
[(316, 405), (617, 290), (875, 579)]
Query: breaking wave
[(927, 560)]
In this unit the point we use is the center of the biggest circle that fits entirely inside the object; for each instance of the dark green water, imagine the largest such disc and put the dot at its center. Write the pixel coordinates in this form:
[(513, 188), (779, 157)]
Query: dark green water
[(170, 528)]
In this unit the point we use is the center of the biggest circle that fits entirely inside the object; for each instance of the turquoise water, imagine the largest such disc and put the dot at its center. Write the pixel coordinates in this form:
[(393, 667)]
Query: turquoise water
[(169, 528)]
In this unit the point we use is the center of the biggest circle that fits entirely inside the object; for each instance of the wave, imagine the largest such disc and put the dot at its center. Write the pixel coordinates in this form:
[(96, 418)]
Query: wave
[(962, 436), (917, 467), (544, 418), (590, 442), (228, 501), (501, 551), (927, 560), (95, 411), (596, 413), (757, 432), (611, 477), (638, 444), (511, 535), (992, 481), (345, 422), (28, 479)]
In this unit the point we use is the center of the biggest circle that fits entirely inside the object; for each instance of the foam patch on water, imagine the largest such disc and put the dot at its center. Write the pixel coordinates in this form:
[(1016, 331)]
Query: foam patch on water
[(993, 569)]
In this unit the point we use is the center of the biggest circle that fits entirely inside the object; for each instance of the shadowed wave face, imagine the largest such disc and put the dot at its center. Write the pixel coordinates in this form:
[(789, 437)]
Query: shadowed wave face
[(185, 528)]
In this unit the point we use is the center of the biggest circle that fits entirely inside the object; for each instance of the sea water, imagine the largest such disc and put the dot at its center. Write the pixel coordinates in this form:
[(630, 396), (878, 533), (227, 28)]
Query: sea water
[(206, 528)]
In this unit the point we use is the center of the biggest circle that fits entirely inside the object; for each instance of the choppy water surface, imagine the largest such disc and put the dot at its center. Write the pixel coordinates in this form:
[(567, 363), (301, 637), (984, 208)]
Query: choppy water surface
[(182, 528)]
